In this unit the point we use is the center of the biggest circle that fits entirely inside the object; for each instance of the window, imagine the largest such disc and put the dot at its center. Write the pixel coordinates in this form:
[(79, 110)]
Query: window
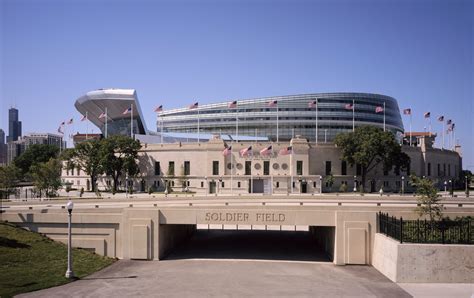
[(385, 184), (439, 170), (215, 167), (277, 184), (358, 169), (444, 169), (314, 184), (449, 170), (157, 168), (248, 167), (188, 183), (222, 184), (294, 184), (202, 184), (187, 168), (429, 169), (343, 167), (299, 167), (409, 168), (266, 167), (328, 168), (171, 168), (238, 184)]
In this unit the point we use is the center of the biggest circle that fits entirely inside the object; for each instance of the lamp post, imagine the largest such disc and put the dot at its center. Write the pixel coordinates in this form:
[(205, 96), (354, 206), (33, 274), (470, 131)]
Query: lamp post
[(320, 184), (451, 190), (220, 184), (355, 183), (467, 187), (403, 185), (69, 273), (445, 188)]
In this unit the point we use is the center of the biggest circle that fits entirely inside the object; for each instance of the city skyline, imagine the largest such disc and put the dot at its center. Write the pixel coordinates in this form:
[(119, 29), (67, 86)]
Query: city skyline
[(174, 54)]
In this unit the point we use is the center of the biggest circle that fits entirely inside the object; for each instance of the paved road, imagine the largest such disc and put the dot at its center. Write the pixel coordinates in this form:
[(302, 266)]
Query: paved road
[(245, 264)]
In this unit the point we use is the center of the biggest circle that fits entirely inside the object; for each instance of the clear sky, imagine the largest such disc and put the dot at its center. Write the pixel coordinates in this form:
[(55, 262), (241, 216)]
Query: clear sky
[(177, 52)]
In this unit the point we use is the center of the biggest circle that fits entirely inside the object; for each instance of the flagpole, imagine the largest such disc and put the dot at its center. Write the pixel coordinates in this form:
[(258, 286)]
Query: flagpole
[(291, 170), (106, 116), (236, 121), (454, 140), (65, 134), (353, 115), (317, 104), (161, 131), (410, 129), (277, 123), (429, 124), (442, 146), (198, 127), (87, 125), (131, 120), (384, 116)]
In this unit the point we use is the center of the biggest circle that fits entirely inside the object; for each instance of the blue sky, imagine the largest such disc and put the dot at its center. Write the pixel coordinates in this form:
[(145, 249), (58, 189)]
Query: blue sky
[(177, 52)]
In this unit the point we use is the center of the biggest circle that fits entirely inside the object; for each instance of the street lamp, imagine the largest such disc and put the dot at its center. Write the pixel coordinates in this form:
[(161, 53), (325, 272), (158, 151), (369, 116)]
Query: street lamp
[(451, 190), (403, 185), (355, 183), (467, 189), (320, 184), (69, 273)]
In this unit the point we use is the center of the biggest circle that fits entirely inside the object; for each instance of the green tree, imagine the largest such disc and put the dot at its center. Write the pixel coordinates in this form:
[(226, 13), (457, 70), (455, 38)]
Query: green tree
[(35, 154), (428, 200), (9, 177), (369, 147), (119, 156), (47, 176), (86, 156)]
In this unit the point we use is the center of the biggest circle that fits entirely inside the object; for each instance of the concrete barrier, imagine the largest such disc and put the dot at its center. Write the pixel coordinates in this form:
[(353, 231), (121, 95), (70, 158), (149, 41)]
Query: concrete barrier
[(423, 263)]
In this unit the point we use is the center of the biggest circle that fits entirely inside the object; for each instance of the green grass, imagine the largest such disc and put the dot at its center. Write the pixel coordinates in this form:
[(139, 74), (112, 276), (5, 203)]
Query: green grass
[(30, 261)]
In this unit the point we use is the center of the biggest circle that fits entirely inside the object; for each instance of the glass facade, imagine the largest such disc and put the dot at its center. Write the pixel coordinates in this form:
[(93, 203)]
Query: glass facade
[(255, 117)]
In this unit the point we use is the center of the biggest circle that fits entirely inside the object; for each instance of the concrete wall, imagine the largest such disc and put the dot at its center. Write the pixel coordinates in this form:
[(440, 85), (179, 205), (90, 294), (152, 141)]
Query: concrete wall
[(423, 263)]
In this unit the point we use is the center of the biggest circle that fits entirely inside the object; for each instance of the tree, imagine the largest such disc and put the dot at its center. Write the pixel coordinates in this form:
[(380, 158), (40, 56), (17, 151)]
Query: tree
[(47, 176), (9, 177), (370, 146), (329, 180), (118, 156), (428, 199), (87, 157), (35, 154)]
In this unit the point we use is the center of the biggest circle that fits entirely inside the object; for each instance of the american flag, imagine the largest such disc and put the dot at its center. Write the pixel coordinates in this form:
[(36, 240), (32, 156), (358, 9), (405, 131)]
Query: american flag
[(232, 104), (103, 115), (441, 118), (63, 123), (272, 103), (349, 106), (286, 151), (246, 151), (266, 151), (407, 112), (70, 121), (227, 151), (378, 110), (312, 104), (159, 109), (449, 121), (128, 110), (427, 114), (59, 130), (84, 117), (194, 105)]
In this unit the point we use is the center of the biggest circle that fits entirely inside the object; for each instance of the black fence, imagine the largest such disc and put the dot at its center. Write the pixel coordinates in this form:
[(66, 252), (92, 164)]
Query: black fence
[(445, 231)]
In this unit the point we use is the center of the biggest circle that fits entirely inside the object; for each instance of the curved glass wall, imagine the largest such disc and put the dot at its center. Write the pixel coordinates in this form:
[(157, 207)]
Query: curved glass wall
[(295, 117)]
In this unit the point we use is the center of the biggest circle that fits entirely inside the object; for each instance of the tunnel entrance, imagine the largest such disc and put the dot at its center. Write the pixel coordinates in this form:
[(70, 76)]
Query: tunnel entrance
[(257, 244)]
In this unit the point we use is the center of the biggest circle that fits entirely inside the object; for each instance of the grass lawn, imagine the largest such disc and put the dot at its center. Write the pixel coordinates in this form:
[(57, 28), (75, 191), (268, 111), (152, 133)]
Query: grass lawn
[(30, 261)]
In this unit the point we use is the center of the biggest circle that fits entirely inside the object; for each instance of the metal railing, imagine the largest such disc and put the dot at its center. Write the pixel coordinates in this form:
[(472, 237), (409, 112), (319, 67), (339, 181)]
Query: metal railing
[(445, 231)]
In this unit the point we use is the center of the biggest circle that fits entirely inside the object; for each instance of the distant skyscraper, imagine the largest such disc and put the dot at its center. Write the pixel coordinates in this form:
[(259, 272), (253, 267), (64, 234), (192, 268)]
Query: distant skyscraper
[(14, 126), (3, 148)]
